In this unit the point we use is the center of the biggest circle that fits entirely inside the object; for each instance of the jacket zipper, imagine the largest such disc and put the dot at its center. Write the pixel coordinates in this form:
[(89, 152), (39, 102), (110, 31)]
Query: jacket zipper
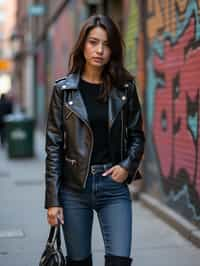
[(122, 133), (85, 179), (88, 167), (72, 161)]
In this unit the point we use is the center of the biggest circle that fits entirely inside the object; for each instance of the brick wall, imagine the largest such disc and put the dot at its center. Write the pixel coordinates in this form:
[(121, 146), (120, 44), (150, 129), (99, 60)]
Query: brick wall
[(172, 104)]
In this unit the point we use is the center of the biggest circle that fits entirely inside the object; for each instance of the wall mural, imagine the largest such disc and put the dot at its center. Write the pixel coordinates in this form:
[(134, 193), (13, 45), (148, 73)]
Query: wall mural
[(134, 48), (131, 36), (173, 101)]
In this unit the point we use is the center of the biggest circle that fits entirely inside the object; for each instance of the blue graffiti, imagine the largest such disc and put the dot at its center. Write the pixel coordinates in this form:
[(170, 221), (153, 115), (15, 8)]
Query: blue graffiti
[(183, 193), (193, 125)]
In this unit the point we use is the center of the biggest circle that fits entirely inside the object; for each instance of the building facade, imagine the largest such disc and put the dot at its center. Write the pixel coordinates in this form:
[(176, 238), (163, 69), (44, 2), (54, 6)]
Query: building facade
[(7, 22)]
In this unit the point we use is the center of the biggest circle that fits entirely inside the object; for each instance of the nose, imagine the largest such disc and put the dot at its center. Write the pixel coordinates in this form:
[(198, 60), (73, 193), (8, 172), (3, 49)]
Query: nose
[(100, 49)]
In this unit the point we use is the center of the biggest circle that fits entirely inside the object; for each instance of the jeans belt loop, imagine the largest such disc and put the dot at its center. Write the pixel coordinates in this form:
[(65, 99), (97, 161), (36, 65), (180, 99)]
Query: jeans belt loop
[(92, 170)]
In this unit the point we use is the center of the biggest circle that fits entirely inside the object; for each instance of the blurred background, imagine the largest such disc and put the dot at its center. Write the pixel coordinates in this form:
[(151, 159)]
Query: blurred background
[(162, 41)]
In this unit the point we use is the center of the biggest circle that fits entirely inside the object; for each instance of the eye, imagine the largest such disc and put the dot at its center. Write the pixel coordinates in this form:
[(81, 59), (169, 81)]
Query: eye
[(93, 42), (107, 44)]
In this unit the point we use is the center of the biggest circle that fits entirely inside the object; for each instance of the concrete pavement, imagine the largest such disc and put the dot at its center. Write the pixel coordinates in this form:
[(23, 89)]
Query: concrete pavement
[(24, 230)]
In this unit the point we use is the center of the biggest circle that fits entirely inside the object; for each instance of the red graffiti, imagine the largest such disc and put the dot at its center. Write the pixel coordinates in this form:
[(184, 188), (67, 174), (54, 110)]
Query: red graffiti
[(175, 144)]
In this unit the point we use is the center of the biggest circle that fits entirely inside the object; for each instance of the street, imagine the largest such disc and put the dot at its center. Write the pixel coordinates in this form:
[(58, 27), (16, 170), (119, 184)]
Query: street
[(24, 230)]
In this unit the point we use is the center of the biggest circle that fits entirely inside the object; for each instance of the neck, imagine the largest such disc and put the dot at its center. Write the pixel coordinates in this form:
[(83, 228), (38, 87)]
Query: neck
[(92, 74)]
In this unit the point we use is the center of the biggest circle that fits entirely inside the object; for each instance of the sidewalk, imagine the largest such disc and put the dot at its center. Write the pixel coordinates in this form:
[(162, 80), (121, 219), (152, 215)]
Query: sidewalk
[(23, 227)]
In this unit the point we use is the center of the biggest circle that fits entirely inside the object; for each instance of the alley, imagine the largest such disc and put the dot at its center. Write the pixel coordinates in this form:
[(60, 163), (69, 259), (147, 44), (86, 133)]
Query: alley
[(145, 65)]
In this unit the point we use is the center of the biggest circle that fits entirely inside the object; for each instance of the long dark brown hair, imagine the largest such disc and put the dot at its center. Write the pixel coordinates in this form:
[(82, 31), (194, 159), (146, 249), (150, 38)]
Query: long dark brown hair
[(114, 72)]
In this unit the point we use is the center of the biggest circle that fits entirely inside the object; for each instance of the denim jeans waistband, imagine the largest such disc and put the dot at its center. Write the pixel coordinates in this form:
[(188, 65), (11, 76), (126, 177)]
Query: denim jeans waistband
[(99, 168)]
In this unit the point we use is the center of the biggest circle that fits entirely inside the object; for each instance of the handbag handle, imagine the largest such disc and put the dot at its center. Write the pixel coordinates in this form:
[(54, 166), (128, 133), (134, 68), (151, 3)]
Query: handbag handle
[(54, 236)]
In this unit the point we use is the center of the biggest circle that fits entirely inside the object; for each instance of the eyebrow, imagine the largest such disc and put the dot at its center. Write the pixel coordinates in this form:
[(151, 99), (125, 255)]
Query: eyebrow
[(96, 39)]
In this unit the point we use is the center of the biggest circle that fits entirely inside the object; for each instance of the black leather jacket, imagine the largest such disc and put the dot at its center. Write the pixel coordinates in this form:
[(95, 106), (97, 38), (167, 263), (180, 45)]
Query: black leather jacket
[(69, 138)]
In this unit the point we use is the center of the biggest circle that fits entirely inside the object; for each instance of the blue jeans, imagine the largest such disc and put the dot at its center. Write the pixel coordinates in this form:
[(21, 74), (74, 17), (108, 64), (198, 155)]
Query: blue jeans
[(112, 202)]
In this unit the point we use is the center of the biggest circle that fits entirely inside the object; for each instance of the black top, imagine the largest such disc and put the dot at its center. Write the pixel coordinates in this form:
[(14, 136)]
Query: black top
[(98, 119)]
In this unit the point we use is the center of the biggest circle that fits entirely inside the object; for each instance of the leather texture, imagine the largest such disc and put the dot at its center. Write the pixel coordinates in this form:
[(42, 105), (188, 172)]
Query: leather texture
[(69, 138)]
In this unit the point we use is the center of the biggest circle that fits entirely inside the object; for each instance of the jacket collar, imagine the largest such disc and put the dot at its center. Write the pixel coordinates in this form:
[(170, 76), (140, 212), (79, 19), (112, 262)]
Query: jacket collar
[(116, 100), (71, 81)]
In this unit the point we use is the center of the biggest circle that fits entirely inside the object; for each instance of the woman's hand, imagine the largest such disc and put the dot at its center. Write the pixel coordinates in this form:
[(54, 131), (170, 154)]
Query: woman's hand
[(118, 173), (53, 214)]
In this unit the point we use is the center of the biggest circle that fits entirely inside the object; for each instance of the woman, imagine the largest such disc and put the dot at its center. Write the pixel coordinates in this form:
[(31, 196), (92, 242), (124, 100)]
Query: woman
[(94, 145)]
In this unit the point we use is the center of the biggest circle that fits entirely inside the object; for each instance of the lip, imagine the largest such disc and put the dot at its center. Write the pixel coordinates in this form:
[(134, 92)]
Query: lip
[(98, 58)]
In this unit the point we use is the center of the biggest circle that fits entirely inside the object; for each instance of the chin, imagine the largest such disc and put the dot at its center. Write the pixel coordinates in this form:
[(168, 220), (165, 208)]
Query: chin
[(97, 65)]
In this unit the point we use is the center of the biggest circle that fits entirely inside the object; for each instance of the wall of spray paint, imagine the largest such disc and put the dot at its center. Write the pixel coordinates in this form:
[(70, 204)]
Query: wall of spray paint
[(172, 104), (134, 39)]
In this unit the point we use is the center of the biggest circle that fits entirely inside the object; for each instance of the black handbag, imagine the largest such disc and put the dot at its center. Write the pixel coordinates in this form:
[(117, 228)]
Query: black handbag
[(52, 255)]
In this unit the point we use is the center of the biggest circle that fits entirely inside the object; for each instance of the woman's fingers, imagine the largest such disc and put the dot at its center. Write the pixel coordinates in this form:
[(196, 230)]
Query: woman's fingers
[(119, 174), (53, 221), (108, 172), (53, 214)]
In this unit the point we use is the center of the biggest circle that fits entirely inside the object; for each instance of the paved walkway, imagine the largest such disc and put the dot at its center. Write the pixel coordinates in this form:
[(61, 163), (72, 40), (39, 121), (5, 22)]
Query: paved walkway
[(23, 227)]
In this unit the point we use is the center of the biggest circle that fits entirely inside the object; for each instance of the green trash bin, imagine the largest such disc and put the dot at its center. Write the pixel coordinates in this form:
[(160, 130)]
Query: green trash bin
[(19, 136)]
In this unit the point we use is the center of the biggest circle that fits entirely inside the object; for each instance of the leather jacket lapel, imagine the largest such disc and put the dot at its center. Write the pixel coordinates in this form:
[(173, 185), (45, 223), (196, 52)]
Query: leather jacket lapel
[(75, 102), (77, 105)]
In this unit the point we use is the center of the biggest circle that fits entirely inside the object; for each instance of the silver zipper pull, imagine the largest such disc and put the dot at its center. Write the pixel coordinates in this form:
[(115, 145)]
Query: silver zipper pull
[(73, 162)]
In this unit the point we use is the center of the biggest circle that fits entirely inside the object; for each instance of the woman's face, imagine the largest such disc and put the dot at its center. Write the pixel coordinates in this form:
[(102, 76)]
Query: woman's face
[(96, 50)]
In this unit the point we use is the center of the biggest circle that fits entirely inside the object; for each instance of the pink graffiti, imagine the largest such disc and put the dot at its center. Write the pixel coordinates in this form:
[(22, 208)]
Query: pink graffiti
[(178, 150)]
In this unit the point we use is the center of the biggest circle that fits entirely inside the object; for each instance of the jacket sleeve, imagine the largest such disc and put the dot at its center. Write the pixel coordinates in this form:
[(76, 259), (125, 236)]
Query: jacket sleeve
[(135, 134), (54, 148)]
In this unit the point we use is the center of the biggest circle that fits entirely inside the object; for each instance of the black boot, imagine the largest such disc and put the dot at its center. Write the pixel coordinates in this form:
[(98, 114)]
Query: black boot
[(111, 260), (86, 262)]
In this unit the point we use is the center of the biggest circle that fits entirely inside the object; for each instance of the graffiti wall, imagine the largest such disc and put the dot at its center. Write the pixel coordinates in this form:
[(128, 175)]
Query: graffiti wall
[(172, 165), (133, 41), (131, 36)]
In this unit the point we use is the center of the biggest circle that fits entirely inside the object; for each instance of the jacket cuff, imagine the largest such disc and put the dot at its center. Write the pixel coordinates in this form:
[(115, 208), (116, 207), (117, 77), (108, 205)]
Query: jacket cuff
[(129, 165), (51, 197), (49, 204), (132, 168)]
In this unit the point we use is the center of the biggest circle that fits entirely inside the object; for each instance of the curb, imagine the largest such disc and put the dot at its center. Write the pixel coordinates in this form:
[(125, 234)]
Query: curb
[(179, 223)]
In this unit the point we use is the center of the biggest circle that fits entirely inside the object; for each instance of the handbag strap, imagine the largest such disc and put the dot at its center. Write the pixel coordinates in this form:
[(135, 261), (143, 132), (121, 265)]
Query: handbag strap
[(54, 236)]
